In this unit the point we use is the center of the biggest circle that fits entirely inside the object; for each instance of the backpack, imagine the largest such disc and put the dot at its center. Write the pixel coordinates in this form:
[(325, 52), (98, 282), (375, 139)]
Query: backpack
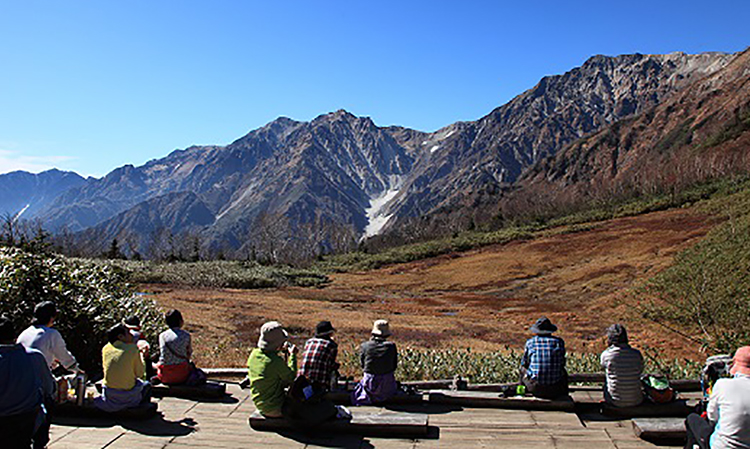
[(306, 406), (657, 389), (716, 367)]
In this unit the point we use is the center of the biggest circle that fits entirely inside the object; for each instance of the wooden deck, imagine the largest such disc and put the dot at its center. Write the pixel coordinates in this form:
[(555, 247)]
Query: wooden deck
[(189, 424)]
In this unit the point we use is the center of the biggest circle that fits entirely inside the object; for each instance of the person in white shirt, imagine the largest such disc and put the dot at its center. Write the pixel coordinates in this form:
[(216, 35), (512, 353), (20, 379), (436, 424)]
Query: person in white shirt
[(728, 410), (47, 340)]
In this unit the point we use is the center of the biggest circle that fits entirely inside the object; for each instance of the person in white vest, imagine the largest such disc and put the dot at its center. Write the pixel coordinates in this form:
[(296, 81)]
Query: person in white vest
[(47, 340), (728, 411), (623, 366)]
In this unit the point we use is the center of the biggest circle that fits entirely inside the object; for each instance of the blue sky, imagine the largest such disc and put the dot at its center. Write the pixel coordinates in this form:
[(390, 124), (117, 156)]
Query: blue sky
[(89, 86)]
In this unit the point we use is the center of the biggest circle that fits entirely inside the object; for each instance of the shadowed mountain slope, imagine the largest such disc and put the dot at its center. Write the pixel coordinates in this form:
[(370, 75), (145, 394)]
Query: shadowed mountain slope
[(26, 193)]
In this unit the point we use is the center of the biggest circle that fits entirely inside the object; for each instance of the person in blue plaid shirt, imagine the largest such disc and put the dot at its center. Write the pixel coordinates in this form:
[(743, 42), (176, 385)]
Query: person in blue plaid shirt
[(543, 363), (319, 357)]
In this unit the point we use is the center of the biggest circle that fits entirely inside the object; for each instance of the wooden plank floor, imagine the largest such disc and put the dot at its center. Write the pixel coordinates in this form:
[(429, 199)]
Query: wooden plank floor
[(188, 424)]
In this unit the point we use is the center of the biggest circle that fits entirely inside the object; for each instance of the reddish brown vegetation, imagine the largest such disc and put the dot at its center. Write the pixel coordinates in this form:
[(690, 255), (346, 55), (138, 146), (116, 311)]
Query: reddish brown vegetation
[(482, 299)]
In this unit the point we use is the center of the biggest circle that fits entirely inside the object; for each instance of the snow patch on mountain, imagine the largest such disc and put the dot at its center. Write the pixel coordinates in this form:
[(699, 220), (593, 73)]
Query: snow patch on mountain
[(239, 200), (376, 216), (18, 215), (434, 148)]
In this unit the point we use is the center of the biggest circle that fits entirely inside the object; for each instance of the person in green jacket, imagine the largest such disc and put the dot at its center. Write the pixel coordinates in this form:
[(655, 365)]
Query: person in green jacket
[(268, 372)]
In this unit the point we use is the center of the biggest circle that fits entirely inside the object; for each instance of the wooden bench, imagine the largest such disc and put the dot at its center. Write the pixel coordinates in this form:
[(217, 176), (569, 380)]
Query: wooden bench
[(88, 410), (376, 425), (658, 430), (676, 409), (344, 398), (496, 400), (210, 390)]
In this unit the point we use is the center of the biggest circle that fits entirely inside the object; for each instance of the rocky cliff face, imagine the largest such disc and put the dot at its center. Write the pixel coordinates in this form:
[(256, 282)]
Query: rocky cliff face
[(343, 169), (698, 133), (330, 168), (469, 159)]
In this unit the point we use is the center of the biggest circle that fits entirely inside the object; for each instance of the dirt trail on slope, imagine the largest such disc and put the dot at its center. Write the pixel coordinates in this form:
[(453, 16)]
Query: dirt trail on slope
[(484, 299)]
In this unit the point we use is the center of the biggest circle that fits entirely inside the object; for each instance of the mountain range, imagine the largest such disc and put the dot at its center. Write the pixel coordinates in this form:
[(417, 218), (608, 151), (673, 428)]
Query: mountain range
[(698, 133), (348, 175)]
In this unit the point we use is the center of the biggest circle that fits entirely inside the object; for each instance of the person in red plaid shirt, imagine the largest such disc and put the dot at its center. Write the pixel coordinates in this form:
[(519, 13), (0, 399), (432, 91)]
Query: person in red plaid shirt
[(319, 357)]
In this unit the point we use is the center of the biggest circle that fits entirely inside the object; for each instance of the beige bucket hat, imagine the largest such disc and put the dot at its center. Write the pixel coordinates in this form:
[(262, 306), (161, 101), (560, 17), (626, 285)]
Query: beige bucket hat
[(380, 328), (272, 336)]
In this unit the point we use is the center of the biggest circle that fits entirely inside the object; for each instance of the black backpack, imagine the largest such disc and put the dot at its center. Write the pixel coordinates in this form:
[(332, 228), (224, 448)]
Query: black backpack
[(306, 406)]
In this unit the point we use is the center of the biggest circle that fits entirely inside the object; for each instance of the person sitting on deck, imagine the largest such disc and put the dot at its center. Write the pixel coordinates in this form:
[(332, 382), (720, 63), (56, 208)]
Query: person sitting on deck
[(25, 385), (133, 323), (623, 367), (728, 411), (543, 363), (379, 359), (175, 348), (47, 340), (123, 370), (268, 372), (319, 357)]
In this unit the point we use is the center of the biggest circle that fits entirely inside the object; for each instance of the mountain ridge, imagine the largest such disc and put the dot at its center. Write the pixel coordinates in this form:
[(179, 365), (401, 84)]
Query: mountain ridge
[(698, 134), (24, 193), (343, 169)]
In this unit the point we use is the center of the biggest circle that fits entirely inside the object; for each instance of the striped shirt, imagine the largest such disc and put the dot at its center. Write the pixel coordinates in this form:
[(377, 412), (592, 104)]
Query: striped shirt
[(623, 366)]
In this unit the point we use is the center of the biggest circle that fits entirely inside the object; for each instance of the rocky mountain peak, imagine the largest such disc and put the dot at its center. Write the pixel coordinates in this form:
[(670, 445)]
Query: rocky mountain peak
[(344, 169), (488, 155), (339, 116)]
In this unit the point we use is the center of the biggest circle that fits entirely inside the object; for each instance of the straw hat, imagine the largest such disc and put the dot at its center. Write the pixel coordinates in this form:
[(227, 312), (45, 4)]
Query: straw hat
[(272, 336), (380, 328), (741, 361)]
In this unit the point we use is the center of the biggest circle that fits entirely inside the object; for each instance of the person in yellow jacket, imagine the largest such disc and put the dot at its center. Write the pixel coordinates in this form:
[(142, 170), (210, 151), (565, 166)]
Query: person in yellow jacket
[(123, 371), (268, 372)]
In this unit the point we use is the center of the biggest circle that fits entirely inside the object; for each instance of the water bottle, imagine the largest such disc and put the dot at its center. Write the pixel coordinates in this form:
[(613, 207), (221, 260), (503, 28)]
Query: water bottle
[(334, 381), (80, 383), (62, 390)]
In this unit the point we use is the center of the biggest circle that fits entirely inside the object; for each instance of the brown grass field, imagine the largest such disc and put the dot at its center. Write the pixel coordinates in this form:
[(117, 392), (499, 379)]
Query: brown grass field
[(484, 299)]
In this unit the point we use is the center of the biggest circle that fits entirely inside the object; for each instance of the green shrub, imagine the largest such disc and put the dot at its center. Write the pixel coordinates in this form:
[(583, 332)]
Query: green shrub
[(418, 251), (704, 295), (497, 366), (89, 298), (219, 274)]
